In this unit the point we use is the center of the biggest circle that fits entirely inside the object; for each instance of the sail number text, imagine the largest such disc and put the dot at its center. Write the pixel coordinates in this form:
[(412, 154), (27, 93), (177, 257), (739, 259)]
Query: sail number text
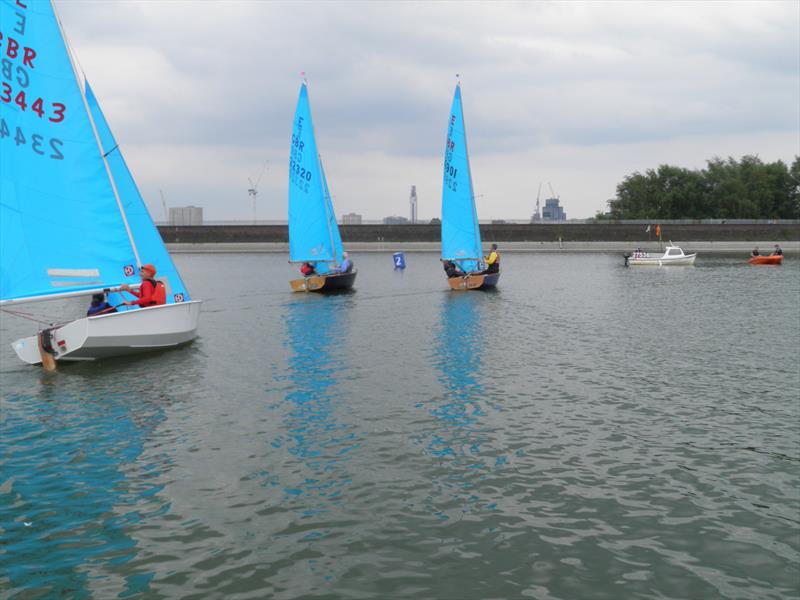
[(13, 49), (54, 111), (450, 171), (16, 65), (17, 79), (39, 144), (298, 175)]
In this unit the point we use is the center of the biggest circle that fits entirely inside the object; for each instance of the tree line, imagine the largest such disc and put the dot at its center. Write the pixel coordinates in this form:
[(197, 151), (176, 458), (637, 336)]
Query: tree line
[(725, 189)]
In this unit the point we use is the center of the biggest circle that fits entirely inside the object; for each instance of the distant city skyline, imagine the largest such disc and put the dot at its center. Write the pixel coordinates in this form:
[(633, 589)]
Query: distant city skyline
[(200, 96)]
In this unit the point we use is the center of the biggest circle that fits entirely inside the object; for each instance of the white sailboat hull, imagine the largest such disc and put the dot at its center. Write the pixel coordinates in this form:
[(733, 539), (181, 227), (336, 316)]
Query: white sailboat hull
[(118, 334)]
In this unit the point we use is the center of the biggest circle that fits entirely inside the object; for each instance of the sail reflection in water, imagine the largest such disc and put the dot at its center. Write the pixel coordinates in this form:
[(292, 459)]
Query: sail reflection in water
[(72, 490), (315, 440), (461, 431)]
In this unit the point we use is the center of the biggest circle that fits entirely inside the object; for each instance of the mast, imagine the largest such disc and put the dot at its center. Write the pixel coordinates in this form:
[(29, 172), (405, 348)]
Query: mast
[(82, 90)]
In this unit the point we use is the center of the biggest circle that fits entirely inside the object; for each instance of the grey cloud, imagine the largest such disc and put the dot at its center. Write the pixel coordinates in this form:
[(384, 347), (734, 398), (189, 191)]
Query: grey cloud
[(535, 75)]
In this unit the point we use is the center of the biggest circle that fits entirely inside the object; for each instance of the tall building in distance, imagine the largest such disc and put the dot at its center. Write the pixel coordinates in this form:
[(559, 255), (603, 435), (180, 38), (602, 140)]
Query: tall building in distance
[(552, 211), (412, 200), (186, 215), (351, 219)]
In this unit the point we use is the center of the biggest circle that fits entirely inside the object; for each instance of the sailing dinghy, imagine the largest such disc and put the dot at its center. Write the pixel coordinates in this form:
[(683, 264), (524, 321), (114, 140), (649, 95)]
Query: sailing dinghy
[(313, 232), (461, 234), (72, 221)]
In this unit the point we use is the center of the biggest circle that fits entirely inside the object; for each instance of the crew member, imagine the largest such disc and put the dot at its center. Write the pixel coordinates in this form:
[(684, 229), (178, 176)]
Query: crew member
[(151, 292), (347, 264), (777, 251), (492, 261), (452, 269), (754, 252), (307, 269), (99, 306)]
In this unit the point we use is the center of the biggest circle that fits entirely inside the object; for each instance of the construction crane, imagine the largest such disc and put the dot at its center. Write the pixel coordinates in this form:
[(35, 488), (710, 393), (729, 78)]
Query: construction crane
[(164, 206), (253, 190), (537, 215)]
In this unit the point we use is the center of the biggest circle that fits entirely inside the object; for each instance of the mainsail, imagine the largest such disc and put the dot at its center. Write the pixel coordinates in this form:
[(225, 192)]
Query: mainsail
[(313, 232), (461, 236), (60, 225), (63, 225)]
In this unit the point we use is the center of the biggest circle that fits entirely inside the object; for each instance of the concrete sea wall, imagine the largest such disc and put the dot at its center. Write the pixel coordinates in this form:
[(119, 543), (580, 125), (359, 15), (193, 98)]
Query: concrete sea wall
[(566, 237)]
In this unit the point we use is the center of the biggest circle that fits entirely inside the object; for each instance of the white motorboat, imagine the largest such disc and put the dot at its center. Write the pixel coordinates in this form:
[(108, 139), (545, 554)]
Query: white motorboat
[(672, 255), (72, 221)]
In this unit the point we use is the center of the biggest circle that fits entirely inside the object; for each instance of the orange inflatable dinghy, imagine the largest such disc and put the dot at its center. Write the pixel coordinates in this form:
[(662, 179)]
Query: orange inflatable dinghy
[(766, 260)]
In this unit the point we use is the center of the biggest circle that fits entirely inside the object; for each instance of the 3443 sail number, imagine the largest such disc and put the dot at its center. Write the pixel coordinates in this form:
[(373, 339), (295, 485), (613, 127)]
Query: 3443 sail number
[(55, 110), (39, 144)]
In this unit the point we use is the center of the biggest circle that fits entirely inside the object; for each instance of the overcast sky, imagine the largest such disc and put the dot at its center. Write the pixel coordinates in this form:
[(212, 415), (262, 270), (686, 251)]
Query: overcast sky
[(201, 94)]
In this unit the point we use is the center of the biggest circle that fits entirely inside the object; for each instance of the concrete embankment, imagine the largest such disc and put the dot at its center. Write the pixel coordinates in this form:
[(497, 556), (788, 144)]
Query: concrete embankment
[(585, 237)]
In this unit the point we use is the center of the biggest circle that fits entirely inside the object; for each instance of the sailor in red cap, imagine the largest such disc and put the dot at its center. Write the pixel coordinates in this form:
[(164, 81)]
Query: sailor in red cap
[(151, 292)]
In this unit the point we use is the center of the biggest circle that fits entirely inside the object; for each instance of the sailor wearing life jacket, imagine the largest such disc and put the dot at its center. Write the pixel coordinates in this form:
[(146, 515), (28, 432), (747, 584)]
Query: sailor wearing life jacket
[(492, 261), (151, 292)]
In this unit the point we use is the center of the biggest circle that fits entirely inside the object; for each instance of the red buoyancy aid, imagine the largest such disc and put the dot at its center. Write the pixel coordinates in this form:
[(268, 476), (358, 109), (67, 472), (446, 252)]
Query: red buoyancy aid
[(152, 293), (159, 294)]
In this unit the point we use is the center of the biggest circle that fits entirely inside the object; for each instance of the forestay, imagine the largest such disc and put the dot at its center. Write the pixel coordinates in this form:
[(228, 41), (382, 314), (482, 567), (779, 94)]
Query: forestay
[(461, 236), (313, 232), (61, 228)]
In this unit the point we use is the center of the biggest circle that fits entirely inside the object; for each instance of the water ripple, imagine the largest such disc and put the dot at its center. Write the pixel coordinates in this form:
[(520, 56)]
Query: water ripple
[(586, 431)]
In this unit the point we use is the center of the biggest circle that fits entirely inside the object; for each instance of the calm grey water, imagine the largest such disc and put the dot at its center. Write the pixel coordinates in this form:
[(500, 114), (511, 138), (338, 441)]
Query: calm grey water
[(586, 431)]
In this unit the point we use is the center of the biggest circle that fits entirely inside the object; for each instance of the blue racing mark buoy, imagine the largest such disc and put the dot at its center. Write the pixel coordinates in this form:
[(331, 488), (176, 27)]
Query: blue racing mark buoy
[(399, 260)]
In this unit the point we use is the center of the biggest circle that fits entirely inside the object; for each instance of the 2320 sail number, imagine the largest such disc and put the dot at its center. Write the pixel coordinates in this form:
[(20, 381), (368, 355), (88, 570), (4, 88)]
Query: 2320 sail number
[(38, 143), (299, 176)]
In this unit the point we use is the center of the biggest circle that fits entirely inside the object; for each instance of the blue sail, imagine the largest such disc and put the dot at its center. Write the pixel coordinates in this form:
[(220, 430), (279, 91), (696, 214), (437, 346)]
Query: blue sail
[(61, 229), (148, 241), (461, 236), (313, 232), (332, 225)]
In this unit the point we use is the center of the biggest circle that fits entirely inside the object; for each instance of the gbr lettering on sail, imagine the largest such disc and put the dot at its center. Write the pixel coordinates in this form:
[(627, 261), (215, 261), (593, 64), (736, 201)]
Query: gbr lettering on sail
[(26, 125), (299, 175)]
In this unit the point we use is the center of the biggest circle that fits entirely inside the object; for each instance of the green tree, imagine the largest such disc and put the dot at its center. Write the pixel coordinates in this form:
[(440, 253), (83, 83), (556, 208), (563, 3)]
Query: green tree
[(725, 189)]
